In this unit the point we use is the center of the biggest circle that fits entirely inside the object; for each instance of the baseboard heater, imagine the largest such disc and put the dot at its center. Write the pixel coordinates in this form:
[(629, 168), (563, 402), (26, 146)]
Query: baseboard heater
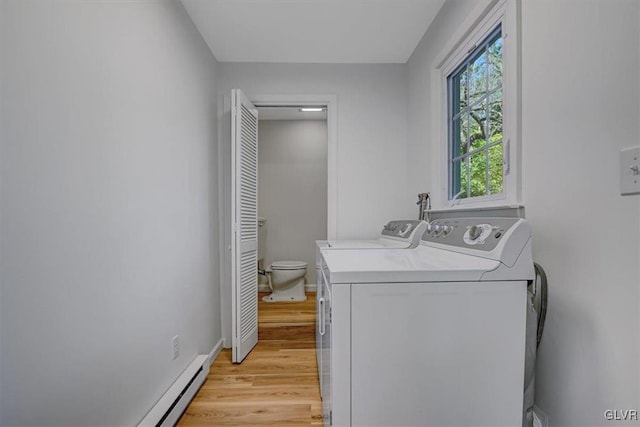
[(172, 404)]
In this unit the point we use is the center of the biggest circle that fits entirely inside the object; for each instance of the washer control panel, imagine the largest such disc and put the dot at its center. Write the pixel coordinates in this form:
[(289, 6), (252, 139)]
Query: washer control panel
[(476, 233), (400, 228)]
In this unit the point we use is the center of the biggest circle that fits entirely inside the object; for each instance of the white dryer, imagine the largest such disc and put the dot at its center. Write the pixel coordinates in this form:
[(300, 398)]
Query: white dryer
[(432, 336)]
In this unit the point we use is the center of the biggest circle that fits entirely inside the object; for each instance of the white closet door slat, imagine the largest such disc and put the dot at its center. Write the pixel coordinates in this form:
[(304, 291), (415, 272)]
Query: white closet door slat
[(245, 216)]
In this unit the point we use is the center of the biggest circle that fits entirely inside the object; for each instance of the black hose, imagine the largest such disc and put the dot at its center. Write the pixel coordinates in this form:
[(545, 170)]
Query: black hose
[(542, 310)]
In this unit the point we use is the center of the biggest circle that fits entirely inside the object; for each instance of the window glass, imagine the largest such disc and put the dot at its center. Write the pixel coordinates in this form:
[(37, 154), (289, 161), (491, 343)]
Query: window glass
[(475, 121)]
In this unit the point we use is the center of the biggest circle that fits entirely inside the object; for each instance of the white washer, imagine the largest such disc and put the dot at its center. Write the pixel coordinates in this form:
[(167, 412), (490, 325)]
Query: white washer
[(396, 234), (400, 234), (430, 336)]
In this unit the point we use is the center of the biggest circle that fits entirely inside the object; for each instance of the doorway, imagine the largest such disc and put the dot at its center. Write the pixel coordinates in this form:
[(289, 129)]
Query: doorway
[(330, 103), (224, 178), (292, 187)]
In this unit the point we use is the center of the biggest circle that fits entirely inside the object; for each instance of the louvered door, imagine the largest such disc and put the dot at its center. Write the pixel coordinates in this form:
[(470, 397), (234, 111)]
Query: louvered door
[(244, 248)]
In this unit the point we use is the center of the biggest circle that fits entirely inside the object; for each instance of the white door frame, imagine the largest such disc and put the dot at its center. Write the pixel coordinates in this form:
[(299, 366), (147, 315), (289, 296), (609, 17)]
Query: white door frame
[(331, 101), (224, 184)]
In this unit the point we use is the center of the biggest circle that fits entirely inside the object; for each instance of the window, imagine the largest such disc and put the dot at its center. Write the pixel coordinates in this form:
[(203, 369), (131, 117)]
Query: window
[(478, 131), (475, 122)]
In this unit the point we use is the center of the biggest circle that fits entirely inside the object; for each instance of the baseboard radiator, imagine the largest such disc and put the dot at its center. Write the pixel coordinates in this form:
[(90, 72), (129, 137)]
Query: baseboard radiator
[(172, 404)]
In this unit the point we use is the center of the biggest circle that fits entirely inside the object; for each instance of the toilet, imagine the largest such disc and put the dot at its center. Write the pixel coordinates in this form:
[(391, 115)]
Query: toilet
[(287, 281), (286, 278)]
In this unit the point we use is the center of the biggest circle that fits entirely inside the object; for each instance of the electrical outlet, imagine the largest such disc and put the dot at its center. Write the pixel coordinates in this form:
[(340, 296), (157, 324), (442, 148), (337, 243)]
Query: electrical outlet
[(175, 346)]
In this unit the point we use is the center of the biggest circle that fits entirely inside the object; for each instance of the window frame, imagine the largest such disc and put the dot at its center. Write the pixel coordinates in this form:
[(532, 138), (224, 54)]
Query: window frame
[(481, 23)]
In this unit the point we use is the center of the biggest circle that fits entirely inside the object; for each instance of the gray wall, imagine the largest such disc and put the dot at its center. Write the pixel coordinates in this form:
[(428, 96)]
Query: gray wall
[(371, 140), (108, 214), (580, 105), (292, 192), (372, 132)]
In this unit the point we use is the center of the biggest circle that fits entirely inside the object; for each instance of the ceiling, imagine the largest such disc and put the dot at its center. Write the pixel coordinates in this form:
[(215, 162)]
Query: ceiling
[(312, 31)]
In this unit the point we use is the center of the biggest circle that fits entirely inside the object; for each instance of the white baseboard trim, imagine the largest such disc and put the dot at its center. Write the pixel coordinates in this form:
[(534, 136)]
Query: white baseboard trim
[(215, 351), (264, 287), (167, 411)]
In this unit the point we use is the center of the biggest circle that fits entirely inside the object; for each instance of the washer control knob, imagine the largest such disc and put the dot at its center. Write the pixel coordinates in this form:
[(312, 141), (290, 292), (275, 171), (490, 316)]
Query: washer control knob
[(475, 232)]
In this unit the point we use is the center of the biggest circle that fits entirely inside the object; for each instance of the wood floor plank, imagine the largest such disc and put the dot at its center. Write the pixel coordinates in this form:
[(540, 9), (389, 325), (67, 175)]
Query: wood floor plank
[(228, 381), (256, 394), (276, 385), (205, 414), (287, 332), (286, 380)]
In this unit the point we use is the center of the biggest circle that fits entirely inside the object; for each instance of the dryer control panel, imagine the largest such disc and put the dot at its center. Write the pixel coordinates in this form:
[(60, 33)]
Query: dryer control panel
[(475, 233), (403, 229)]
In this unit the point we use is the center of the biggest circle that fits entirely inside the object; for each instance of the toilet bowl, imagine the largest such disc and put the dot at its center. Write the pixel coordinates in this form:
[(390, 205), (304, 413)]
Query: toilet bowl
[(287, 281)]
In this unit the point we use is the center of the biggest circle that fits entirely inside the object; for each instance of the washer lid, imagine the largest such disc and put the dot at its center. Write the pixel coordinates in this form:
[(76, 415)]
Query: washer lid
[(380, 243), (288, 265)]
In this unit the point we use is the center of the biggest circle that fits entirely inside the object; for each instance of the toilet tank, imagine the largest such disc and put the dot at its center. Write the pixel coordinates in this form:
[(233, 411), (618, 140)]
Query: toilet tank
[(262, 238)]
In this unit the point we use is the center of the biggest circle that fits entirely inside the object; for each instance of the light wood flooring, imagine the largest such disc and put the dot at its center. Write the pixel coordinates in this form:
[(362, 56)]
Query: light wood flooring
[(277, 384)]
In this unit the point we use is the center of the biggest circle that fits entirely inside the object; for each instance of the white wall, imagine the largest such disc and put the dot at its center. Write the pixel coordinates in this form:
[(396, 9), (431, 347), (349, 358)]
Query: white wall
[(580, 103), (577, 114), (109, 208), (420, 154), (292, 191), (372, 137)]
